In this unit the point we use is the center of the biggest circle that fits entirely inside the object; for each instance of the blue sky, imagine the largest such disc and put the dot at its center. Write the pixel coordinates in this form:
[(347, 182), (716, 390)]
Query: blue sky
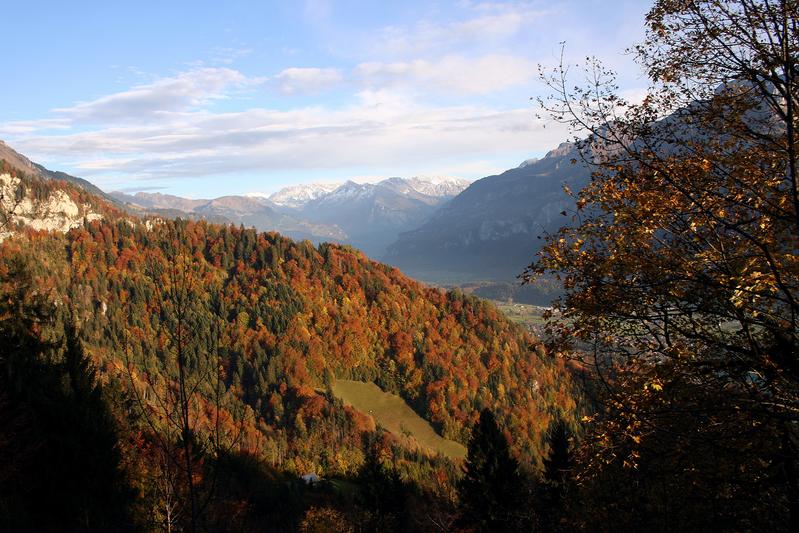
[(203, 99)]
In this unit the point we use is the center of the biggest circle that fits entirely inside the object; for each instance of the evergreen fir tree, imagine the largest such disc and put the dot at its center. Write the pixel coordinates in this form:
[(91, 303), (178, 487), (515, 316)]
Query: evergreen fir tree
[(383, 494), (60, 466), (491, 490), (556, 489)]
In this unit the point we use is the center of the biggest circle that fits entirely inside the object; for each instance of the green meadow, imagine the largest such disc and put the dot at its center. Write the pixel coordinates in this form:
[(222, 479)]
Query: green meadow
[(391, 412)]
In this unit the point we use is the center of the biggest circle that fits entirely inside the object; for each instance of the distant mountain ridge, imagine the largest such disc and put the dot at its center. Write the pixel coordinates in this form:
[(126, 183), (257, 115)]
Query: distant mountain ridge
[(248, 210), (438, 186), (368, 216), (296, 196), (440, 230)]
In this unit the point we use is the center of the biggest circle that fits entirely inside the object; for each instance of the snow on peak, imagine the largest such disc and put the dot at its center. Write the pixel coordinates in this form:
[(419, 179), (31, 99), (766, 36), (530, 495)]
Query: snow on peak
[(348, 191), (528, 162), (438, 185), (299, 195)]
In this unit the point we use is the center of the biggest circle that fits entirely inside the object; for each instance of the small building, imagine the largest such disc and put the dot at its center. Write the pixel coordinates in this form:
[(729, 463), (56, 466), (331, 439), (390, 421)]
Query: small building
[(310, 478)]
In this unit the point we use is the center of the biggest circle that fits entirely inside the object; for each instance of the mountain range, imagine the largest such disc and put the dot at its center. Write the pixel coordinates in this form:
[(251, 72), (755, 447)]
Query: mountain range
[(369, 216), (443, 231), (247, 210), (296, 196)]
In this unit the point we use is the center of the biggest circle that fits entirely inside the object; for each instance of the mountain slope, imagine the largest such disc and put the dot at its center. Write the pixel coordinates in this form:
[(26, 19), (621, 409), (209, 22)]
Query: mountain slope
[(273, 325), (22, 163), (368, 216), (157, 200), (489, 231)]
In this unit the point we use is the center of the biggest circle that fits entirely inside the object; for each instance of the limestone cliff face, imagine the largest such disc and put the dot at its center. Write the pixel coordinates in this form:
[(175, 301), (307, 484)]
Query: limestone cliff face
[(55, 212)]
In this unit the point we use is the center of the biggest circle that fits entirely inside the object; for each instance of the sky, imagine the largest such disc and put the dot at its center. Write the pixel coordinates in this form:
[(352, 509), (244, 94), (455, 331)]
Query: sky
[(203, 99)]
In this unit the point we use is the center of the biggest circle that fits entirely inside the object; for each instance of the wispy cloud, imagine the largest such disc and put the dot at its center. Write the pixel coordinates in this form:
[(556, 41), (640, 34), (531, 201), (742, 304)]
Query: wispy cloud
[(227, 54), (444, 93), (489, 26), (187, 90), (308, 80), (462, 75), (142, 188), (26, 127)]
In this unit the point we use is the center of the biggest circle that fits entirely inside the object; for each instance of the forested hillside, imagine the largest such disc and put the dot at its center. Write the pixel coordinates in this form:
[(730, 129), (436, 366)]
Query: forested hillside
[(295, 316)]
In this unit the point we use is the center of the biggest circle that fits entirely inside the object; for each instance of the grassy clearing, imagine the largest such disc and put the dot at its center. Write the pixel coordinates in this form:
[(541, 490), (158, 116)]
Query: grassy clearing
[(391, 412), (528, 315)]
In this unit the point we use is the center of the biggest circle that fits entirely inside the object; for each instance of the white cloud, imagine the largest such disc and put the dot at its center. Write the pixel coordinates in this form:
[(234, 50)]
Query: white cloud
[(495, 26), (308, 80), (389, 101), (469, 167), (185, 91), (379, 132), (481, 75), (26, 127), (168, 128)]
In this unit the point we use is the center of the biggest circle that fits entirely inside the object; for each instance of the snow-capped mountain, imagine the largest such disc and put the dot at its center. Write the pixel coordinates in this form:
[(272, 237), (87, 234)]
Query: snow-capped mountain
[(297, 196), (438, 186), (528, 162), (374, 214), (348, 190)]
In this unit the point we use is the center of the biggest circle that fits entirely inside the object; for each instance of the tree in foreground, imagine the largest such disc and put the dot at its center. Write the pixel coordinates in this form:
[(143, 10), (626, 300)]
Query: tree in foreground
[(61, 467), (179, 384), (557, 486), (681, 270), (491, 490)]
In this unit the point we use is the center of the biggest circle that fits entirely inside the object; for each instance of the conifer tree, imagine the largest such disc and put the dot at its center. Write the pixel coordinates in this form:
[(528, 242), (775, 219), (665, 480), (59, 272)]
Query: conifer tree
[(556, 489), (60, 468), (558, 465), (383, 493), (490, 491)]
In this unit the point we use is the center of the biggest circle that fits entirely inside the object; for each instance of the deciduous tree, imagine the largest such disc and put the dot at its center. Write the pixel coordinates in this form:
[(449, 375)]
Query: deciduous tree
[(682, 264)]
